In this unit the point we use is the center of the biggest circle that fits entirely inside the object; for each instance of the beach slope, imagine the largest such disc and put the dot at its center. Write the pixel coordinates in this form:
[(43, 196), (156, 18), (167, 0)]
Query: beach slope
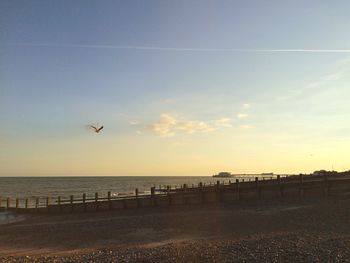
[(308, 231)]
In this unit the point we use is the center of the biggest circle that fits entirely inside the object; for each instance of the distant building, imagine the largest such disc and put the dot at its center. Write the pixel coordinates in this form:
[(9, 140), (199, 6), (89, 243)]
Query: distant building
[(320, 172), (223, 175), (324, 172)]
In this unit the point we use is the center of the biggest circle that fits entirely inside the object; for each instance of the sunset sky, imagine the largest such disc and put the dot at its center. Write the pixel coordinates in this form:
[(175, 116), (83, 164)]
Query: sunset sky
[(181, 87)]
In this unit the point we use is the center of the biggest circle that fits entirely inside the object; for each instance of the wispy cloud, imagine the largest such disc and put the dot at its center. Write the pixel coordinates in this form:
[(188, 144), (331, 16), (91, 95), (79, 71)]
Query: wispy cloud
[(246, 106), (138, 132), (242, 115), (223, 122), (334, 76), (168, 100), (168, 126), (326, 79), (190, 49), (134, 123), (340, 71)]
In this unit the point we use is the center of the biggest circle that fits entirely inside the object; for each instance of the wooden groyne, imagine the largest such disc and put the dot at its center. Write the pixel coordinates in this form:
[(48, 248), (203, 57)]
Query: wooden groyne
[(293, 187)]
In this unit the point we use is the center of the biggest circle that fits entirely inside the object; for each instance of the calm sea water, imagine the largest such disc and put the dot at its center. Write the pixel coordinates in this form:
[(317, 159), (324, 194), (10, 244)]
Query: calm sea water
[(29, 187)]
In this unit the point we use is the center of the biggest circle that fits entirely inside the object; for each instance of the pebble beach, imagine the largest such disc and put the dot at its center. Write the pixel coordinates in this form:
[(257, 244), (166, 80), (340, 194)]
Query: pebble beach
[(312, 231)]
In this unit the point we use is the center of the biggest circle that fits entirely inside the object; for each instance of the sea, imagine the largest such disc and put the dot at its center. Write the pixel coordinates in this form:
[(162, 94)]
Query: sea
[(65, 186)]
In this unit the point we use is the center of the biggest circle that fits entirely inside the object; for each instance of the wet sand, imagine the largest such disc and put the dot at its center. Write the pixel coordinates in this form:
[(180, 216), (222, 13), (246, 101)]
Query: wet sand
[(308, 231)]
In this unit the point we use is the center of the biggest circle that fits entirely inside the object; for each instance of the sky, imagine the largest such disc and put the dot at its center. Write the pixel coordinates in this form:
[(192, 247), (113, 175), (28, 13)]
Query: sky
[(181, 87)]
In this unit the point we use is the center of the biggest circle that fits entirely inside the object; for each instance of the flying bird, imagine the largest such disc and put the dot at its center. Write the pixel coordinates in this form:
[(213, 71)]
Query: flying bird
[(97, 130)]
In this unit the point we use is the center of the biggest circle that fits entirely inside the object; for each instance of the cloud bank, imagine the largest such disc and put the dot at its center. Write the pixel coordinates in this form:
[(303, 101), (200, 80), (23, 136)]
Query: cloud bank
[(168, 126)]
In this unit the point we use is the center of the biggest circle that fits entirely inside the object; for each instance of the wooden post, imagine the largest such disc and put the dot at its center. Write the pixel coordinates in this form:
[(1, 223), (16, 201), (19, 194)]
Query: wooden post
[(7, 202), (26, 203), (301, 189), (184, 194), (258, 189), (0, 201), (218, 196), (71, 203), (153, 203), (169, 195), (201, 193), (37, 204), (109, 200), (84, 201), (96, 201), (17, 203), (137, 197), (325, 186), (59, 203), (238, 190), (280, 186), (47, 203)]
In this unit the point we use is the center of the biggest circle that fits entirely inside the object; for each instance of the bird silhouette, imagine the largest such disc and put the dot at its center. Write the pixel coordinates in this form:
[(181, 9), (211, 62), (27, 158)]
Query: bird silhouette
[(97, 130)]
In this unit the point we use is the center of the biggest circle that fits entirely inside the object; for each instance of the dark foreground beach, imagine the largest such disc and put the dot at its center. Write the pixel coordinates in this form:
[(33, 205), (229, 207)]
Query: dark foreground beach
[(308, 231)]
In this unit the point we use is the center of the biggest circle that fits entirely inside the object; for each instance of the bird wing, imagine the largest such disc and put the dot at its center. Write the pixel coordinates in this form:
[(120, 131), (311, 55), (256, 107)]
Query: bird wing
[(99, 128), (92, 126)]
